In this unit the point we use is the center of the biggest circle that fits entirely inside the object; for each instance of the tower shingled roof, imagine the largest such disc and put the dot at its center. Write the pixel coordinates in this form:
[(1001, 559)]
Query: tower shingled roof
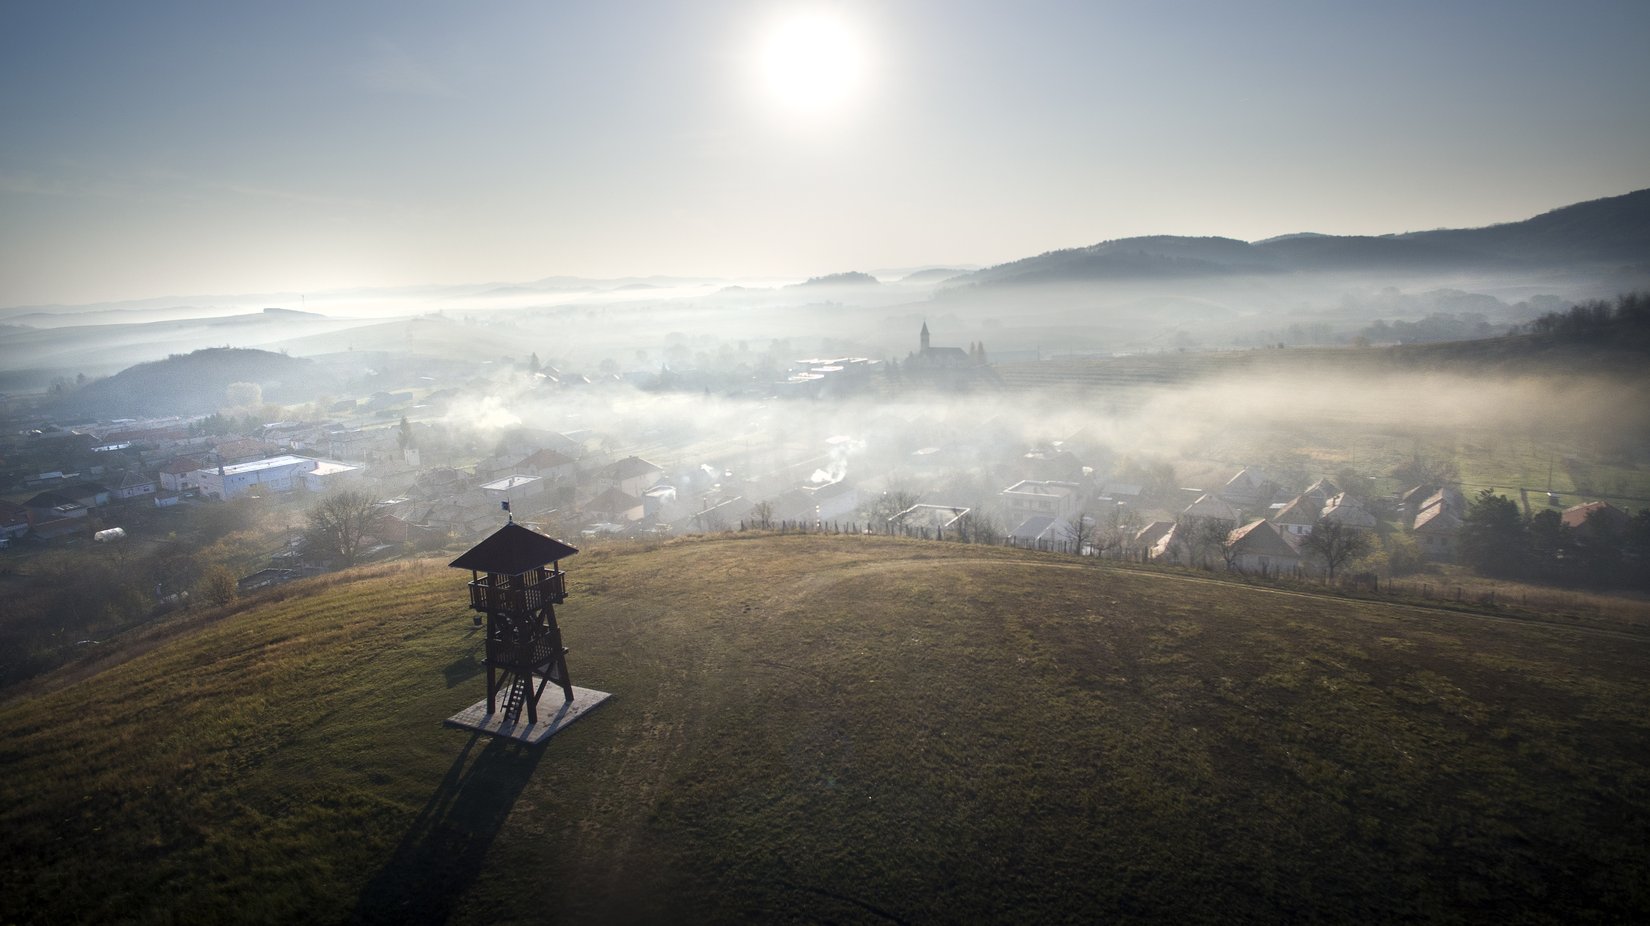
[(512, 550)]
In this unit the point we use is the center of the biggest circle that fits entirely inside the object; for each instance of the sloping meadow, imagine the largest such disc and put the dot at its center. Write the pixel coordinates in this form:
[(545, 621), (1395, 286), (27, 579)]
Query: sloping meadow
[(843, 729)]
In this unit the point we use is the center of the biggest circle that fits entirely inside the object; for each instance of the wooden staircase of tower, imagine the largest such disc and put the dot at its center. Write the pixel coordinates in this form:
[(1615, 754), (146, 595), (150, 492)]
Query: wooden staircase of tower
[(521, 689)]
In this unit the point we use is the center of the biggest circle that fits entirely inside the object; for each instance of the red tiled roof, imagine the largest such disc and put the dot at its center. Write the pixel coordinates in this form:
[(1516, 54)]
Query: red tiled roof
[(1578, 515)]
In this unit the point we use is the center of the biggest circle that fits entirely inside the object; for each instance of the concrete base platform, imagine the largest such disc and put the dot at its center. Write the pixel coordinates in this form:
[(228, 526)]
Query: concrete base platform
[(555, 714)]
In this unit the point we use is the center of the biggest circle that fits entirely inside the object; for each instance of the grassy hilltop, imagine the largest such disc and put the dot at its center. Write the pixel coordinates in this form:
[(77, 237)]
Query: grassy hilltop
[(844, 729)]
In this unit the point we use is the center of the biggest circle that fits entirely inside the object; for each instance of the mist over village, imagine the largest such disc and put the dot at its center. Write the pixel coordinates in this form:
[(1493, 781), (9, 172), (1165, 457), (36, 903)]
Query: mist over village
[(857, 490)]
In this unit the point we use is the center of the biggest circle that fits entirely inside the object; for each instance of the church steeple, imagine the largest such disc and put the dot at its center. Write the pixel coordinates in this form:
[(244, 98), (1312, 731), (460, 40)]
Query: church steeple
[(925, 337)]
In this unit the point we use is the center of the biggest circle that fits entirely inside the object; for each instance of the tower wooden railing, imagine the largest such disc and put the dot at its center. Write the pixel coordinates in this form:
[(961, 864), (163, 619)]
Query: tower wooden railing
[(528, 592)]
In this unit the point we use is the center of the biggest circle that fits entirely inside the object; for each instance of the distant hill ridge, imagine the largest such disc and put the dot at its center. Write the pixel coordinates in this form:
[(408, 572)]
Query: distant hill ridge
[(195, 383), (1615, 230), (850, 278), (276, 312)]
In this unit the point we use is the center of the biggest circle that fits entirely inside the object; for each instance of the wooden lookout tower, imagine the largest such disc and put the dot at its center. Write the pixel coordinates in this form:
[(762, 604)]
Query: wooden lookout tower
[(516, 581)]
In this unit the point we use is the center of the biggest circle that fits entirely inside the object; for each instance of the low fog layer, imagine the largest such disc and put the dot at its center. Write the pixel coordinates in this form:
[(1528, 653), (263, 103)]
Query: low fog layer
[(1297, 424), (1126, 296)]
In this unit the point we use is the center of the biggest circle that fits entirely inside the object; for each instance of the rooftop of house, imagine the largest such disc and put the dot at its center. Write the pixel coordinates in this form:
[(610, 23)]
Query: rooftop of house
[(242, 446), (254, 466), (1415, 495), (941, 516), (545, 459), (614, 499), (332, 468), (1349, 514), (1037, 528), (1039, 487), (1578, 515), (1245, 480), (1344, 500), (1437, 519), (49, 500), (1262, 538), (510, 482), (1153, 532), (1446, 497), (1209, 505), (628, 468), (83, 488), (1303, 510)]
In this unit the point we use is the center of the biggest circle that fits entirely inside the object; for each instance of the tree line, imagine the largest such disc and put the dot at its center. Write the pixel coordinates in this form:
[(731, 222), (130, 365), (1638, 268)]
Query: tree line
[(1609, 550), (1596, 319)]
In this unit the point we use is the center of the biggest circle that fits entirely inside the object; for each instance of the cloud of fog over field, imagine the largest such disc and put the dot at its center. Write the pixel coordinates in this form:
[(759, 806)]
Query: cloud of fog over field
[(1124, 296), (587, 324), (1170, 359), (1294, 421)]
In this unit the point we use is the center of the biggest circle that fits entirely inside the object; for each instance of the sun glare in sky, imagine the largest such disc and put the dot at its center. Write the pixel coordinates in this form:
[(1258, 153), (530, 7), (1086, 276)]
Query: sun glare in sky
[(773, 139), (812, 62)]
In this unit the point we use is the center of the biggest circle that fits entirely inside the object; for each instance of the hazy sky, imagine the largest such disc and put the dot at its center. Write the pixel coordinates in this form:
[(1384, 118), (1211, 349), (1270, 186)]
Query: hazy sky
[(156, 148)]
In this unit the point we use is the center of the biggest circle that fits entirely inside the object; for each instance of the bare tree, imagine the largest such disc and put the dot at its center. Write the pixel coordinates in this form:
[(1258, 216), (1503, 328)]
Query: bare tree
[(1201, 538), (1333, 544), (1080, 533), (711, 521), (1425, 470), (120, 550), (1119, 527), (983, 528), (338, 524), (762, 514), (1229, 550), (879, 510)]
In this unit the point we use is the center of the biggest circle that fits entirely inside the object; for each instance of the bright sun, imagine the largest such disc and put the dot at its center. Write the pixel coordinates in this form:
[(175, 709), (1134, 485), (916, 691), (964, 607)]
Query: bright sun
[(811, 62)]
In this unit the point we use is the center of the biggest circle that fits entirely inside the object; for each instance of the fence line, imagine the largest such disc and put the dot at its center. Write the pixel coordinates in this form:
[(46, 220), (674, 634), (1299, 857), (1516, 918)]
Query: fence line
[(1369, 583)]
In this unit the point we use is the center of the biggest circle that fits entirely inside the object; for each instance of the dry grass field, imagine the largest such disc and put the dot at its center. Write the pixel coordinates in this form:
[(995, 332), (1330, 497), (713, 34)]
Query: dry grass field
[(842, 729)]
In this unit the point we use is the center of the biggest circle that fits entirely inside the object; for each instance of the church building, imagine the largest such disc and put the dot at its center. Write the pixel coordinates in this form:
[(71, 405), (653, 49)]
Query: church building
[(944, 366), (929, 357)]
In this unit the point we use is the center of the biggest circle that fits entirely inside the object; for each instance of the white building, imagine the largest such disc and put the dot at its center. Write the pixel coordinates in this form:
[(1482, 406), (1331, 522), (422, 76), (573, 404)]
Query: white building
[(275, 474), (1032, 498), (329, 474), (179, 474), (514, 489), (1041, 510)]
